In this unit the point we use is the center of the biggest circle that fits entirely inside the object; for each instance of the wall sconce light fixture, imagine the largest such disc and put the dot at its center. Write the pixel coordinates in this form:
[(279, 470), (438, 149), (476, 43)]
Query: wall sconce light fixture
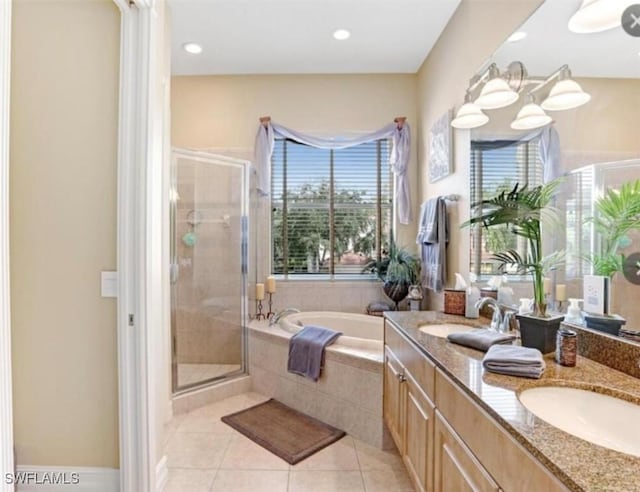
[(501, 90)]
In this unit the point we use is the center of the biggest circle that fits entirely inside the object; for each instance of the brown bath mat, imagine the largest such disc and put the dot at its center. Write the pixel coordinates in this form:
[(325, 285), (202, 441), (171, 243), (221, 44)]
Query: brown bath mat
[(287, 433)]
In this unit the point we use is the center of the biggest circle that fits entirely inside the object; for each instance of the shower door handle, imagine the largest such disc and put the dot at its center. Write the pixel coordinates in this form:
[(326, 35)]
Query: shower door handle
[(173, 273)]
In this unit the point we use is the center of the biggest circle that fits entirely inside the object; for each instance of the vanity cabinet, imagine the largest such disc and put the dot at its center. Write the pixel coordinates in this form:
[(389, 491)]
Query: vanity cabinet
[(393, 397), (456, 469), (408, 409), (447, 441)]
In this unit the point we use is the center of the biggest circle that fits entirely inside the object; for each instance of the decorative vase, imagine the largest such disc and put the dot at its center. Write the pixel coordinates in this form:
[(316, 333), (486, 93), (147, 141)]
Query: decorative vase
[(396, 291), (539, 333)]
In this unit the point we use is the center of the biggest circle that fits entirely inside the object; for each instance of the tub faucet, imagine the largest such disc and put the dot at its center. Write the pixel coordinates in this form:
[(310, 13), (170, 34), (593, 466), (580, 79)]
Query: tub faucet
[(281, 314), (498, 321)]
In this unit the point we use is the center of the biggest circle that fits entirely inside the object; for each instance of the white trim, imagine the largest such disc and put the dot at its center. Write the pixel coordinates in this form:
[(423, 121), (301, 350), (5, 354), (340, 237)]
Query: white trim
[(72, 478), (162, 474), (139, 238), (6, 404)]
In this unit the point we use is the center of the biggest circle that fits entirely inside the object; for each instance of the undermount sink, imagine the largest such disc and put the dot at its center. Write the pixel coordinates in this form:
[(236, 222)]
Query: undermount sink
[(444, 329), (595, 417)]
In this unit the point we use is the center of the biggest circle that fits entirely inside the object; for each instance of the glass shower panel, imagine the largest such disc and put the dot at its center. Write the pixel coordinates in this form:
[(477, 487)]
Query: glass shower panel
[(209, 239)]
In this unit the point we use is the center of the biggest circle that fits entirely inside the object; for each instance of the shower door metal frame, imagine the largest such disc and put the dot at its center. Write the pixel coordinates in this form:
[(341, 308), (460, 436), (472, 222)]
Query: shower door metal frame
[(244, 167)]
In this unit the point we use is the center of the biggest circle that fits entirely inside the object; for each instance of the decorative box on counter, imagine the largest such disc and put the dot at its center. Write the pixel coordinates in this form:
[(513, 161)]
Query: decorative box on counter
[(454, 301)]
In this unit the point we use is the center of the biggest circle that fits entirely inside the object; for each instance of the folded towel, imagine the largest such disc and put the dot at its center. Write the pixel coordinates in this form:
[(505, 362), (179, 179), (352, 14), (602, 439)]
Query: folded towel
[(480, 338), (513, 360), (306, 350)]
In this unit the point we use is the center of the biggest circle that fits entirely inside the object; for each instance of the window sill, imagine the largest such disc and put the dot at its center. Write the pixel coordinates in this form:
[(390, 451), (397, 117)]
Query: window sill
[(326, 278)]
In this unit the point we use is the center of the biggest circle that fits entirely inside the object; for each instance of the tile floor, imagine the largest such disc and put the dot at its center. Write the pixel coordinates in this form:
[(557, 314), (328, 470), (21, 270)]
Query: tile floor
[(206, 455), (194, 373)]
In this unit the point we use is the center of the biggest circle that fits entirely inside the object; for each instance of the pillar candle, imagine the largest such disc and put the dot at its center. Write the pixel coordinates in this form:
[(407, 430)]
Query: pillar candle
[(547, 286), (259, 292), (271, 285), (561, 292)]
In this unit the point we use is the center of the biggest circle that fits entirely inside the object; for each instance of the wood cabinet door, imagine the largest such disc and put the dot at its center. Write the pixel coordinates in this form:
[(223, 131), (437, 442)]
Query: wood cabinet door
[(456, 469), (393, 398), (419, 429)]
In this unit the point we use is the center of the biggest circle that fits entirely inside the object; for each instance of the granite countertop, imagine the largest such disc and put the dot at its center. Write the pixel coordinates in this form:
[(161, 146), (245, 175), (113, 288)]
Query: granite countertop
[(579, 464)]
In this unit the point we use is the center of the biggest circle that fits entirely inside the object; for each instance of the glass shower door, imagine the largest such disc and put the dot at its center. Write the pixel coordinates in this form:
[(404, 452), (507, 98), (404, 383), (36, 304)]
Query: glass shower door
[(209, 205)]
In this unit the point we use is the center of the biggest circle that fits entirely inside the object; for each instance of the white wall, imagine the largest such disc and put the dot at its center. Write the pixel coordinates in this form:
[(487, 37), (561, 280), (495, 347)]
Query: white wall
[(64, 121)]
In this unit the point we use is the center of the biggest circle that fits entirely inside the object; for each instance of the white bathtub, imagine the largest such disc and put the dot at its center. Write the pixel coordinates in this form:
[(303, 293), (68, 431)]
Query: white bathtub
[(359, 331), (348, 394)]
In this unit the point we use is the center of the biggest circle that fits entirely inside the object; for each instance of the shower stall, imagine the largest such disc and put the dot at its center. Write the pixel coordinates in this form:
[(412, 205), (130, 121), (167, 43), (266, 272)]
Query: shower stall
[(209, 215)]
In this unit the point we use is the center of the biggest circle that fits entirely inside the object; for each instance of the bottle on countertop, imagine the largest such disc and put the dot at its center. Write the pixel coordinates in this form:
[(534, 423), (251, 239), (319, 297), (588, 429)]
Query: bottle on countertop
[(472, 297), (566, 347)]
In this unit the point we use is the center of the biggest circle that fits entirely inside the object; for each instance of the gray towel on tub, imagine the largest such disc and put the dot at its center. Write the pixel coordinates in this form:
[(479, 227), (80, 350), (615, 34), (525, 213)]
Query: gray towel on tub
[(480, 338), (514, 360), (306, 350)]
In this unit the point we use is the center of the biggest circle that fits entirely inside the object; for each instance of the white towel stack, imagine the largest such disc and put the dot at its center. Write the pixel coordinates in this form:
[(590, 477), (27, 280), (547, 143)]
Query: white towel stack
[(513, 360)]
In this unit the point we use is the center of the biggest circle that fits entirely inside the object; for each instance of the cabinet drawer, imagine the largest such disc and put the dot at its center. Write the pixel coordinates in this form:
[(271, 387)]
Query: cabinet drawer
[(512, 466), (456, 468), (420, 367)]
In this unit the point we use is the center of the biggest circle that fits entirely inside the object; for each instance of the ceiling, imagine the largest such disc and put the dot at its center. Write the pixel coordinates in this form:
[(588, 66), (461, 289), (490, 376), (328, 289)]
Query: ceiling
[(295, 36), (549, 44)]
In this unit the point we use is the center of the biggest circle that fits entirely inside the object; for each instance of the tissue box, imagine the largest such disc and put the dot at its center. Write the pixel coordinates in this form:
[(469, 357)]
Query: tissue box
[(454, 301)]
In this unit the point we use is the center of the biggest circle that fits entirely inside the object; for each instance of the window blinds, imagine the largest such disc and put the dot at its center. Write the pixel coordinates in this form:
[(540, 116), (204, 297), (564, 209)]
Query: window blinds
[(331, 209), (493, 170)]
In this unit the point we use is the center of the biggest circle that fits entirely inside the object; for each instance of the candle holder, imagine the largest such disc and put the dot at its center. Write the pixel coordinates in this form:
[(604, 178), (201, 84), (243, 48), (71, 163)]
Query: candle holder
[(259, 314), (270, 313)]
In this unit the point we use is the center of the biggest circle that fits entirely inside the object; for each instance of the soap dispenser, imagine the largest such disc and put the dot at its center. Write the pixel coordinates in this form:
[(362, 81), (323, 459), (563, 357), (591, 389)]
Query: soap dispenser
[(574, 314)]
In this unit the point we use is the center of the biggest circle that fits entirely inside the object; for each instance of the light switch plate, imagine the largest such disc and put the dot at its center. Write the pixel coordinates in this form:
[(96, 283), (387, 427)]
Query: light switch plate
[(109, 284)]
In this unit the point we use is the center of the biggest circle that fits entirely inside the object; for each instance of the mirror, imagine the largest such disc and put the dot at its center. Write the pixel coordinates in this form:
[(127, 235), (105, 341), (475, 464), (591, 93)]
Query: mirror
[(599, 141)]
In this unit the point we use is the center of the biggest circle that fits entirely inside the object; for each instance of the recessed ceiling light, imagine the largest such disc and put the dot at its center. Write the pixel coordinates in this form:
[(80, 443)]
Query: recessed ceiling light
[(193, 48), (517, 36), (341, 34)]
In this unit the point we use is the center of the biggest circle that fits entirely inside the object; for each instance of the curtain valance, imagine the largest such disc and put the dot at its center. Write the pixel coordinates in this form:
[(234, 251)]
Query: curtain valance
[(399, 133)]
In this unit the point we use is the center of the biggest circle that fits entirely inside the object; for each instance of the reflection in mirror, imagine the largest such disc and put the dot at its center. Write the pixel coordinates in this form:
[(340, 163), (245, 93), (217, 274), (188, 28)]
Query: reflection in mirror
[(598, 142)]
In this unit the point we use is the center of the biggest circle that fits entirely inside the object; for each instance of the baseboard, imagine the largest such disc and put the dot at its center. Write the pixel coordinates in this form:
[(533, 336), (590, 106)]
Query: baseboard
[(162, 474), (66, 478)]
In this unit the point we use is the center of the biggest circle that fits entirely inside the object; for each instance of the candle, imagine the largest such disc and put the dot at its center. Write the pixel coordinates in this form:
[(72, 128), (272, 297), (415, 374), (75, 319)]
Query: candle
[(561, 292), (259, 292), (547, 286), (271, 285)]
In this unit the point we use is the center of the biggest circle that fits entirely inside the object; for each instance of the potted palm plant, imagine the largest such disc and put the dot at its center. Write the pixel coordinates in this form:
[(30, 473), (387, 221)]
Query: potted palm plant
[(398, 269), (617, 214), (523, 211)]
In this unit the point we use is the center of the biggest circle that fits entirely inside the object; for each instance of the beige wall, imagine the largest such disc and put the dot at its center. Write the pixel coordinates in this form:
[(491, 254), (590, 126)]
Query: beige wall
[(477, 28), (221, 112), (64, 104)]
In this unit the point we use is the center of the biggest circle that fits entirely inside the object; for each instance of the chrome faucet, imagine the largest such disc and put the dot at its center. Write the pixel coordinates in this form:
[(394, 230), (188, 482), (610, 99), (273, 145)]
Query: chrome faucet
[(499, 321), (281, 314)]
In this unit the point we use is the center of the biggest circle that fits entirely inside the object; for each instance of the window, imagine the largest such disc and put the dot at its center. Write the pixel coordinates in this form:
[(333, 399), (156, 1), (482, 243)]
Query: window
[(330, 209), (497, 166)]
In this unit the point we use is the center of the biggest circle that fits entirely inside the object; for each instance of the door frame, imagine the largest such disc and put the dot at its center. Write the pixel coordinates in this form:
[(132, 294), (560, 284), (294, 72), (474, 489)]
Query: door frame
[(143, 266), (6, 392)]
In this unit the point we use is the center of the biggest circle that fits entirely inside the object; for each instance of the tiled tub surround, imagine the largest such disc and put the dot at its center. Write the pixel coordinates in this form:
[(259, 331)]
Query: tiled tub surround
[(579, 464), (348, 394)]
